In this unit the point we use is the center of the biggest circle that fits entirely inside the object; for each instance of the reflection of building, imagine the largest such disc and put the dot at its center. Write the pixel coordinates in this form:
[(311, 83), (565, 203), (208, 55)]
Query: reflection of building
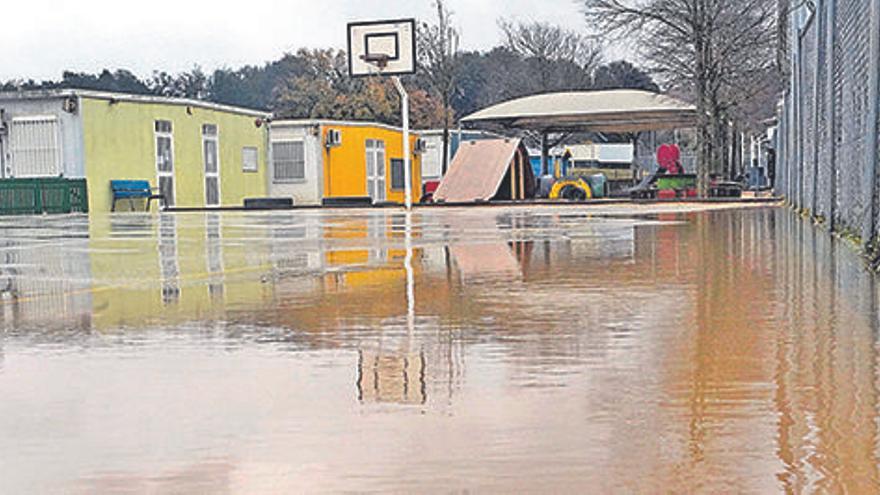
[(198, 153), (172, 268), (314, 160)]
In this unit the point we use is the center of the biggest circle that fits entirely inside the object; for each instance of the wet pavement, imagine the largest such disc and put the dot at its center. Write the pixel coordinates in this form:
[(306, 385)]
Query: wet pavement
[(614, 349)]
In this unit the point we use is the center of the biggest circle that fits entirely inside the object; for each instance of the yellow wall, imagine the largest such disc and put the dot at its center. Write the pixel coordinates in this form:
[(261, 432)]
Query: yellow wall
[(345, 169), (120, 143)]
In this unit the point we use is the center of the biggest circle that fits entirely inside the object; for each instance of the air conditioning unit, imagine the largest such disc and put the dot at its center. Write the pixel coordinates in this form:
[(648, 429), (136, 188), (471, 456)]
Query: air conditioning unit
[(70, 104), (421, 146), (333, 138)]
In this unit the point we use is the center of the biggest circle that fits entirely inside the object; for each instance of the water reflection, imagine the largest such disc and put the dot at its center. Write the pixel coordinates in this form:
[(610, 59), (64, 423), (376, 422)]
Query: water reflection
[(493, 349)]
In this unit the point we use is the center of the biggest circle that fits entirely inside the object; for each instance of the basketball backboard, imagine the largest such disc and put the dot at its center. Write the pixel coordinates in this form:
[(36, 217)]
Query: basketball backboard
[(386, 48)]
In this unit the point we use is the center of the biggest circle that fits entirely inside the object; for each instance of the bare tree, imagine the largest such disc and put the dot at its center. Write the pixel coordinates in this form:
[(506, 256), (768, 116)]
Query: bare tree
[(719, 52), (550, 48), (439, 64), (556, 59), (549, 42)]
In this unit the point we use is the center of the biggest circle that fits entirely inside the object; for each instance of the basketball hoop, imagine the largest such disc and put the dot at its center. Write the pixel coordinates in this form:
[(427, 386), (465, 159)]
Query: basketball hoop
[(384, 47), (387, 48)]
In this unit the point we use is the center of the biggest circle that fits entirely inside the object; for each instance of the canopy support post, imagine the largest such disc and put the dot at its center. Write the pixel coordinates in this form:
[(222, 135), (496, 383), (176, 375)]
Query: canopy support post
[(545, 154), (635, 162)]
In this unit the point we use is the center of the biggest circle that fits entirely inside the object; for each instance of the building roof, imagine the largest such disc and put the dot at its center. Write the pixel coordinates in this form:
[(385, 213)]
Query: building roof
[(112, 96), (465, 132), (477, 170), (330, 122), (620, 110)]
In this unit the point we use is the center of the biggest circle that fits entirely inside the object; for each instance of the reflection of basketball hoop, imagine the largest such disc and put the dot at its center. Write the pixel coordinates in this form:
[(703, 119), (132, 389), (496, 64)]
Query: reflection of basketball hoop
[(380, 60)]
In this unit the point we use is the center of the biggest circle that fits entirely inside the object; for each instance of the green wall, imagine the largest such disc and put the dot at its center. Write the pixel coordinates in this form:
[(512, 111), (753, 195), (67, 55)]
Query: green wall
[(119, 143)]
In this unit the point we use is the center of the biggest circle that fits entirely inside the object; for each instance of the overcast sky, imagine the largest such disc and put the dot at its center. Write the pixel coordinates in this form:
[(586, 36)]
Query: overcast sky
[(41, 38)]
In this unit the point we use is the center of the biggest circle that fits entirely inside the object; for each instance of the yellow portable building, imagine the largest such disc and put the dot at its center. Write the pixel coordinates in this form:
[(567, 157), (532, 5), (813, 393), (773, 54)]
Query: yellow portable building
[(318, 161), (196, 153)]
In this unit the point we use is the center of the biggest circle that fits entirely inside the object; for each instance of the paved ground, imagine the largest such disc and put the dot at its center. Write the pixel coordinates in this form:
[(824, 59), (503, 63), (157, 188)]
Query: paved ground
[(622, 348)]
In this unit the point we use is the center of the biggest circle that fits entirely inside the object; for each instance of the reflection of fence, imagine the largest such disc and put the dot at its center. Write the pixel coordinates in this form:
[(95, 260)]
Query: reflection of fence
[(44, 283), (828, 130), (45, 195)]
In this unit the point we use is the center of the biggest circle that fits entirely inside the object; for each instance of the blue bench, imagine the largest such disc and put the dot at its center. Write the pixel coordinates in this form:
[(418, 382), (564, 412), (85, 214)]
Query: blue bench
[(131, 190)]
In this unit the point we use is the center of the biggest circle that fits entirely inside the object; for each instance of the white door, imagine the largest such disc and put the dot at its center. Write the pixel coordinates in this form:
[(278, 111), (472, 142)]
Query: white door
[(376, 170), (34, 147), (165, 160), (210, 154)]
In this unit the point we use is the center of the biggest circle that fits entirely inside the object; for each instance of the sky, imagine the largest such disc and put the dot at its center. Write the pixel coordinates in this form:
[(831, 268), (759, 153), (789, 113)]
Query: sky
[(42, 38)]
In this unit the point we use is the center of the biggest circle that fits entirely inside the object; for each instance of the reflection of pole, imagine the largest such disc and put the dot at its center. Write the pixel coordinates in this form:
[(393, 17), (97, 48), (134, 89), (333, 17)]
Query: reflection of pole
[(410, 278), (407, 159)]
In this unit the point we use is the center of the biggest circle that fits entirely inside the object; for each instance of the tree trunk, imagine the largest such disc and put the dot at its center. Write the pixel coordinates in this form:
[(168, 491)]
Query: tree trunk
[(704, 142), (444, 165)]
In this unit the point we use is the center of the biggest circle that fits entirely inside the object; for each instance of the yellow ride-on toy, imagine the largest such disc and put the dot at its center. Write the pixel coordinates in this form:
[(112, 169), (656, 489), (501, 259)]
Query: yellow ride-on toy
[(572, 189)]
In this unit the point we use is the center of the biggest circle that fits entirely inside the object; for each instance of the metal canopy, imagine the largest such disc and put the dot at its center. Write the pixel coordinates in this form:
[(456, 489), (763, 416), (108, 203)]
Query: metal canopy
[(618, 110)]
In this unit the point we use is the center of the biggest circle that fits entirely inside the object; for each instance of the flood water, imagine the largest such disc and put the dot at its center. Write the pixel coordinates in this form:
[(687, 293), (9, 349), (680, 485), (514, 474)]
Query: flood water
[(484, 350)]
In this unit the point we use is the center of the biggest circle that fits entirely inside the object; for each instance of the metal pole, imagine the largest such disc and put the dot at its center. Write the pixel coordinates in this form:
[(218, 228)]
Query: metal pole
[(545, 154), (831, 63), (799, 120), (3, 135), (407, 159), (873, 101), (818, 19)]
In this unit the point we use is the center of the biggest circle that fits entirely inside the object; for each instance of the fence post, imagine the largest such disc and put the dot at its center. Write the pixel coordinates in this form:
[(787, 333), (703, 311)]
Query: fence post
[(870, 177), (799, 117), (818, 19), (831, 67)]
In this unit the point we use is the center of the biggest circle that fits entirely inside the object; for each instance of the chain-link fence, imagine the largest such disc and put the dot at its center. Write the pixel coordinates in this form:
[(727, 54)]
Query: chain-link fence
[(827, 140)]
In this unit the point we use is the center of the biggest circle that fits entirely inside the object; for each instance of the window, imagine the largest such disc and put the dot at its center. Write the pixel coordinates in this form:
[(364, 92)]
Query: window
[(212, 191), (376, 169), (165, 160), (211, 147), (288, 160), (164, 156), (249, 159), (163, 127), (34, 147), (398, 171)]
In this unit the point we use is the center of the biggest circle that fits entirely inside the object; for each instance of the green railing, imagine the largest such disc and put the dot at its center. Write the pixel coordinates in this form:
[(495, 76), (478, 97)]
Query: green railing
[(47, 195)]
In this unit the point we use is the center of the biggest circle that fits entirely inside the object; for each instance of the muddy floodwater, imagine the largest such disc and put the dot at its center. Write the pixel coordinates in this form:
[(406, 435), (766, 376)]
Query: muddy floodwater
[(608, 349)]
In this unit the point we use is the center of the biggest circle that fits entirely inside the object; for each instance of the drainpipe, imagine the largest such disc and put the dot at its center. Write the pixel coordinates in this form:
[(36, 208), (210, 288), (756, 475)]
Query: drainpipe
[(873, 100)]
